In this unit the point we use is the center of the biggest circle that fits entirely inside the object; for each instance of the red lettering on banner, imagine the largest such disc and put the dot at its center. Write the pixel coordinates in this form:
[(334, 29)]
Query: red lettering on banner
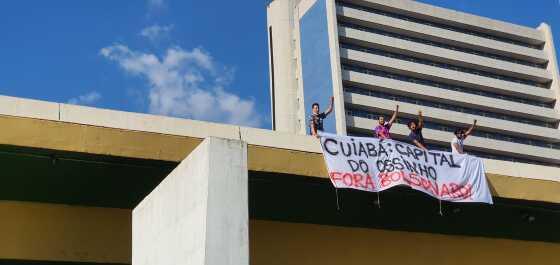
[(345, 177), (354, 180), (412, 179), (357, 180), (369, 182), (444, 190), (384, 179), (365, 182), (335, 176), (429, 186), (396, 176), (454, 189), (467, 193)]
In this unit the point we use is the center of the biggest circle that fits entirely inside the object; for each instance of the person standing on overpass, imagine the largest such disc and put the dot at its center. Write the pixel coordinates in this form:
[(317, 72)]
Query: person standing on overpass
[(382, 129), (460, 135), (415, 135), (317, 117)]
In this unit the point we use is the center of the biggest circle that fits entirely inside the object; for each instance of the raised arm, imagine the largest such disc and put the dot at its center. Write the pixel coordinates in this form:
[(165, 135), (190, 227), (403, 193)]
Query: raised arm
[(329, 110), (470, 130), (394, 117), (420, 145), (420, 120)]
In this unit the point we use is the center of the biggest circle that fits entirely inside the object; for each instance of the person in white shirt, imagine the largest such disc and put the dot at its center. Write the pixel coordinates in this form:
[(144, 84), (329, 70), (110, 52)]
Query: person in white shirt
[(460, 135)]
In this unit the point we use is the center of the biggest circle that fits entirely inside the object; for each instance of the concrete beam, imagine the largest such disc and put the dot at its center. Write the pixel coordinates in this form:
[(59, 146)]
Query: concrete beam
[(414, 29), (198, 214), (456, 18)]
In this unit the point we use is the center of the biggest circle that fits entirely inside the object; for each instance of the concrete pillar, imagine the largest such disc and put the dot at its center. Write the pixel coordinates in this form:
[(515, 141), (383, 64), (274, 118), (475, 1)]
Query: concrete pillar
[(552, 63), (199, 213), (284, 90)]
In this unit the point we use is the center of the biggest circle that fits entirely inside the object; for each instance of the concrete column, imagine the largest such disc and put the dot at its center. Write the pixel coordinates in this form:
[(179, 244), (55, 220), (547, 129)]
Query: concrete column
[(283, 63), (199, 213), (552, 63)]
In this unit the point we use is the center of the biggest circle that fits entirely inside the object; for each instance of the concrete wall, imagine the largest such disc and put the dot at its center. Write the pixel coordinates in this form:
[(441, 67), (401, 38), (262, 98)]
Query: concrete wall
[(199, 213), (64, 233), (276, 243)]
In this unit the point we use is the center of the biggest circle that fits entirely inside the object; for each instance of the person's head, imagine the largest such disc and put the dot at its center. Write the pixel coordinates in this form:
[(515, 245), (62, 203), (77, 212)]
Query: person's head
[(315, 108), (460, 133), (412, 125), (381, 119)]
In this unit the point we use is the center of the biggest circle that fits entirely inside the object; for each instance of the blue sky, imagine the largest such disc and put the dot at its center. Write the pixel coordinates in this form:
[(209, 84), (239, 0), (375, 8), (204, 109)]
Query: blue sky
[(186, 58)]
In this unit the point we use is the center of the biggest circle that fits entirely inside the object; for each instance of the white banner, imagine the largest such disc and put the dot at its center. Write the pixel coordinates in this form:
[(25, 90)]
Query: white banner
[(375, 165)]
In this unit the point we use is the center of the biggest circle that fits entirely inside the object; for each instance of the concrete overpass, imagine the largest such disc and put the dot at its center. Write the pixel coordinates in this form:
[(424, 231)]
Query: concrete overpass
[(72, 175)]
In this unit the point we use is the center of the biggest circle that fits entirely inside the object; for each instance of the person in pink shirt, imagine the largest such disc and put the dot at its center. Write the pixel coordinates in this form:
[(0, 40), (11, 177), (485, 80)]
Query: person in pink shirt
[(383, 128)]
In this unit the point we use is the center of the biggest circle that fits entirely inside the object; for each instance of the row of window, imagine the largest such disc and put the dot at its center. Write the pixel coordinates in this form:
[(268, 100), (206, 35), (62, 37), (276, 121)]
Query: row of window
[(447, 148), (450, 107), (443, 127), (443, 45), (440, 25), (441, 65), (445, 86)]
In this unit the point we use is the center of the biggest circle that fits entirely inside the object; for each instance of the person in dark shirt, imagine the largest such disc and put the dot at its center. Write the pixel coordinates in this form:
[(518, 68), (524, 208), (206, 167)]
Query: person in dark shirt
[(317, 117), (415, 135)]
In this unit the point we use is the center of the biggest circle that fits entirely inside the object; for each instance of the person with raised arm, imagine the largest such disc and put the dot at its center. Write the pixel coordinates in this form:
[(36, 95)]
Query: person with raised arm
[(415, 135), (460, 136), (381, 131), (317, 117)]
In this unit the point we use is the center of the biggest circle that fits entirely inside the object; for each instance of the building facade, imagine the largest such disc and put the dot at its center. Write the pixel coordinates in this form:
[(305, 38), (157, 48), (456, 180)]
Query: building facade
[(375, 54)]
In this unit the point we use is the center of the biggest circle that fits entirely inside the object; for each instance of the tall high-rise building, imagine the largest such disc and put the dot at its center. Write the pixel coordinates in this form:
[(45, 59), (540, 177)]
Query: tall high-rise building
[(375, 54)]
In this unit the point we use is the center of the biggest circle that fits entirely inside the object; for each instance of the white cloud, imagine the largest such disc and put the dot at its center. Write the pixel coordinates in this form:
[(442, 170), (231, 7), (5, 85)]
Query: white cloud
[(155, 32), (86, 99), (156, 4), (186, 84)]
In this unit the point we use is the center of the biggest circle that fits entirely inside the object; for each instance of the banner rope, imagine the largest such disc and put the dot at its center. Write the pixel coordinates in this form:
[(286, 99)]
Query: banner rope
[(337, 203), (440, 211), (378, 200)]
